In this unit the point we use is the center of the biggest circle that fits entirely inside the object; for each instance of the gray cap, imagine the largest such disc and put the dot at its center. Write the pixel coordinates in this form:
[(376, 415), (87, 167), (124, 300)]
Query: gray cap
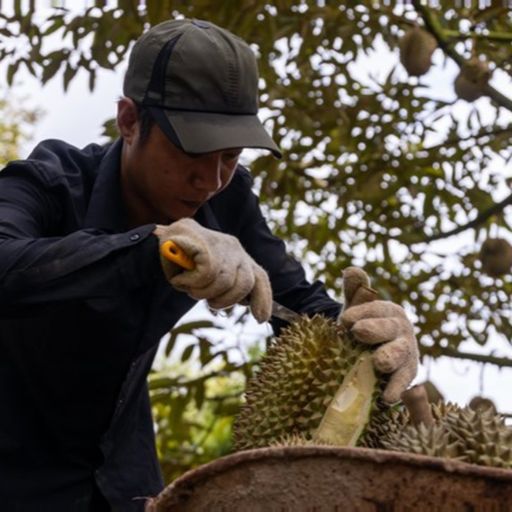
[(201, 85)]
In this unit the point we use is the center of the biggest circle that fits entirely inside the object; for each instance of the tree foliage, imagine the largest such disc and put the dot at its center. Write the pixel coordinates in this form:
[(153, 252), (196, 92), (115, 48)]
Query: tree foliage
[(15, 129), (196, 391), (381, 169)]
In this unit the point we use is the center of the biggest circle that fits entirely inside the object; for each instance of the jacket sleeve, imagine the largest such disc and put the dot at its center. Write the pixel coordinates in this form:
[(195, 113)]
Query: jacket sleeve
[(289, 284), (36, 267)]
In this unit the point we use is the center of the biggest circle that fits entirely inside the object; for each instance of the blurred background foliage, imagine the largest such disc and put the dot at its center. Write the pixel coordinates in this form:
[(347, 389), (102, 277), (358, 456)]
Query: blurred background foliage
[(196, 390), (15, 123), (379, 171)]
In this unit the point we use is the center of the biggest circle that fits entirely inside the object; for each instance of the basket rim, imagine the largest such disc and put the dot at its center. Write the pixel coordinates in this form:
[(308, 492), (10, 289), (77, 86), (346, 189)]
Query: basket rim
[(183, 484)]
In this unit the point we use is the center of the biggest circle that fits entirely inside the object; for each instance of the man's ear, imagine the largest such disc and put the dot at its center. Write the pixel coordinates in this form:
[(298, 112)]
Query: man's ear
[(127, 120)]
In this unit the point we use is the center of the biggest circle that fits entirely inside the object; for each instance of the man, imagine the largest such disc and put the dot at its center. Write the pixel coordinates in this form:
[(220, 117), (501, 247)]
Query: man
[(85, 296)]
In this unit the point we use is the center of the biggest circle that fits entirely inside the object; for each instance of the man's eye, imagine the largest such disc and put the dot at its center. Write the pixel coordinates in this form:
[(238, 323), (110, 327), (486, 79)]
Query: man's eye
[(232, 155)]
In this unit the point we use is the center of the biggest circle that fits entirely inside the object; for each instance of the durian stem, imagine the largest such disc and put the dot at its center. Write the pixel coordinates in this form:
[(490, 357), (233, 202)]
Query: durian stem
[(416, 401)]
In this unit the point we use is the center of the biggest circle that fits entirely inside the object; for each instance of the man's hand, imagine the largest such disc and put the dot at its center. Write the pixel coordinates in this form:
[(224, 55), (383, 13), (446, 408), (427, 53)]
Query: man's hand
[(224, 273), (381, 323)]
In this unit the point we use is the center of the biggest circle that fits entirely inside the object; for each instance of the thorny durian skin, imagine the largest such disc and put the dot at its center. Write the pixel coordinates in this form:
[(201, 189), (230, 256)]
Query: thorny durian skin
[(478, 437), (416, 48), (299, 377), (297, 380)]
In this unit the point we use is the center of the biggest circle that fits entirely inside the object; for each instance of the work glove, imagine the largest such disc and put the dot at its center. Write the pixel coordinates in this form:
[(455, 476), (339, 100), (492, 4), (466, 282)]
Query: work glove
[(383, 323), (224, 273)]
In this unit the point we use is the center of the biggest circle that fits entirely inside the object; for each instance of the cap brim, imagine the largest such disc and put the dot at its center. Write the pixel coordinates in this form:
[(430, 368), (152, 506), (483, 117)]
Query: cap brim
[(203, 132)]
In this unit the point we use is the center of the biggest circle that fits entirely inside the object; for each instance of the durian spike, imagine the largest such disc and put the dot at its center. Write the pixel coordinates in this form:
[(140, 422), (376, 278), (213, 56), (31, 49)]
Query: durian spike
[(416, 401)]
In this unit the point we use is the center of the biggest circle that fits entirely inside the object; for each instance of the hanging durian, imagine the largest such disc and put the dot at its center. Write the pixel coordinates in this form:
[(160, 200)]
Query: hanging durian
[(479, 403), (416, 48), (472, 79), (496, 257)]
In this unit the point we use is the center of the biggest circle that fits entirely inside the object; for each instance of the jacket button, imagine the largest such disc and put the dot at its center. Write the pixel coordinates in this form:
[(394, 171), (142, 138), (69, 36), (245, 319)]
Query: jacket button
[(134, 237)]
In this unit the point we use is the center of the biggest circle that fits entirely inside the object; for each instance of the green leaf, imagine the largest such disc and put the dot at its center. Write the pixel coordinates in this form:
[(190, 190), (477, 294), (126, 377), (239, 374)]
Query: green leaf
[(199, 395), (51, 69), (204, 351), (11, 71), (58, 23), (186, 328), (92, 80), (69, 73)]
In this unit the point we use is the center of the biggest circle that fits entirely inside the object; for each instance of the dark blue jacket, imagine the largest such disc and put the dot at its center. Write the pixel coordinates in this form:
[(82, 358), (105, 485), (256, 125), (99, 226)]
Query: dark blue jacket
[(83, 305)]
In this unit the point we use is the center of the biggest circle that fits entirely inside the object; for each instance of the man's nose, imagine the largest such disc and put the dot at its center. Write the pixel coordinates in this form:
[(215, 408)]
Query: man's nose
[(207, 175)]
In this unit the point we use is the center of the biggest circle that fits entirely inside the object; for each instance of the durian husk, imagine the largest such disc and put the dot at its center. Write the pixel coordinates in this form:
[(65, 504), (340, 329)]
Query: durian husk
[(433, 440), (416, 48), (385, 424), (477, 437), (472, 80), (298, 378), (496, 257), (349, 411), (485, 438)]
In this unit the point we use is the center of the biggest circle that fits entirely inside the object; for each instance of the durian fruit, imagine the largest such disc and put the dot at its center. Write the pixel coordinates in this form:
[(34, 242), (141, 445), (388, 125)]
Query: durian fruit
[(297, 440), (386, 424), (480, 403), (478, 437), (443, 410), (390, 422), (299, 377), (472, 79), (483, 434), (433, 440), (496, 257), (416, 49)]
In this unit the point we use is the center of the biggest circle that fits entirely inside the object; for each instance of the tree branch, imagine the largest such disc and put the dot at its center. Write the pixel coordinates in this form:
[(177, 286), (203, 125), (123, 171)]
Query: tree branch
[(434, 27), (480, 219), (477, 136), (502, 362), (489, 36)]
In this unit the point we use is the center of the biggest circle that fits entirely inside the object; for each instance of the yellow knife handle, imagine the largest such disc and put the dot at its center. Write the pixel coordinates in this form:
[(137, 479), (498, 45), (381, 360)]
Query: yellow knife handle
[(173, 252)]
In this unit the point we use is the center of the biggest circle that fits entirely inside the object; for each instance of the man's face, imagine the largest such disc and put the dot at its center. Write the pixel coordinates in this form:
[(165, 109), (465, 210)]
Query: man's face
[(162, 184)]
